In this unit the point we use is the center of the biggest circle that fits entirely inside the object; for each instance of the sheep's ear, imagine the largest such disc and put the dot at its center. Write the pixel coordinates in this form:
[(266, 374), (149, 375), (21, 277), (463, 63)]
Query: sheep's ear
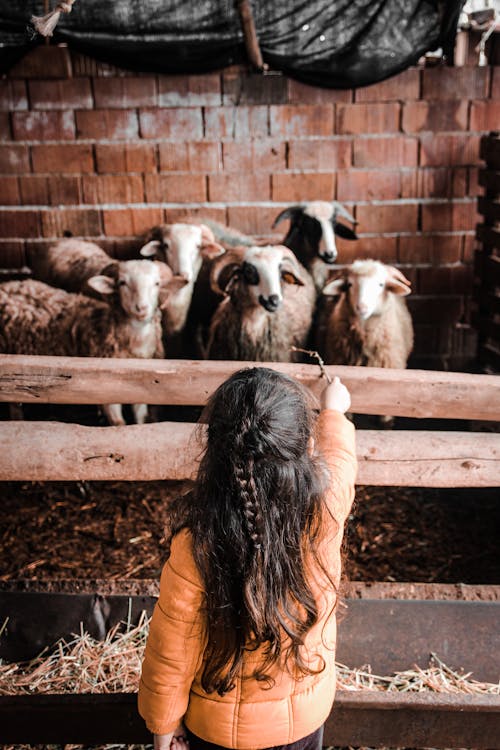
[(174, 285), (223, 281), (102, 284), (397, 287), (334, 288), (150, 249), (345, 232), (212, 250)]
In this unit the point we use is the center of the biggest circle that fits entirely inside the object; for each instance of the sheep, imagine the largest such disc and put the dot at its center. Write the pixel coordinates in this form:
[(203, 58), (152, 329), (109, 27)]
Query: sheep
[(268, 305), (70, 263), (36, 318), (311, 235), (370, 324)]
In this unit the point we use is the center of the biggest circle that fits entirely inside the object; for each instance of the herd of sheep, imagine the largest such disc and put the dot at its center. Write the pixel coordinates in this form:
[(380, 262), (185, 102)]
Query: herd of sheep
[(203, 290)]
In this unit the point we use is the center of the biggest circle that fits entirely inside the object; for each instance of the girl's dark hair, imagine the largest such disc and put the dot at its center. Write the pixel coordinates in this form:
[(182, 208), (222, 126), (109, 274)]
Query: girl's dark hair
[(255, 516)]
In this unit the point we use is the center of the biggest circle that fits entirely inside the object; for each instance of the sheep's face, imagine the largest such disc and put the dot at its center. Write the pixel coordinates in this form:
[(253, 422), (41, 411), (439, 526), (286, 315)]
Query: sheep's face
[(263, 271), (367, 283), (137, 286), (183, 247)]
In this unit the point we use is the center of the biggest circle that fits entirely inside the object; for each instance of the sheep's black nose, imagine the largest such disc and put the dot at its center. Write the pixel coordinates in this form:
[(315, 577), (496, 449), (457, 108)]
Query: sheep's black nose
[(270, 303), (329, 256)]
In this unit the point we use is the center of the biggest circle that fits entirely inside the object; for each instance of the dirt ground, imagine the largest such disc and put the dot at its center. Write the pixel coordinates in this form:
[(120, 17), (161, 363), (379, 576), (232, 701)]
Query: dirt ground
[(115, 530)]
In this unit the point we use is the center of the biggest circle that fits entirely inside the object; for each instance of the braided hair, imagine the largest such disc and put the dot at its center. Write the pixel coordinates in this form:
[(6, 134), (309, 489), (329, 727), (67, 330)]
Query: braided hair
[(255, 515)]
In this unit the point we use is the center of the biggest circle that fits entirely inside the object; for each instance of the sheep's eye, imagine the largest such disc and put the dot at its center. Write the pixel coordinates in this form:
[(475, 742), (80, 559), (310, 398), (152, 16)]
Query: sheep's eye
[(250, 273), (121, 282), (166, 244), (157, 283), (381, 284)]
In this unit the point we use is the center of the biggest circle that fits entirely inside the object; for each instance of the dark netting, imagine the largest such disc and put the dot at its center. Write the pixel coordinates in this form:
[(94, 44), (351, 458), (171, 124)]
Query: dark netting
[(338, 44)]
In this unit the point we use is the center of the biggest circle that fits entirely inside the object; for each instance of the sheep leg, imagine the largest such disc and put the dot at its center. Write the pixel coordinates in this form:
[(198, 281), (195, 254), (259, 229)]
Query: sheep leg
[(140, 413), (114, 414)]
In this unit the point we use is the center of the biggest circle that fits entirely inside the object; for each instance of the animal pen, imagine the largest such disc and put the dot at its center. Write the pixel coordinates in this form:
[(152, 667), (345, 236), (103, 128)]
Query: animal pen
[(93, 150)]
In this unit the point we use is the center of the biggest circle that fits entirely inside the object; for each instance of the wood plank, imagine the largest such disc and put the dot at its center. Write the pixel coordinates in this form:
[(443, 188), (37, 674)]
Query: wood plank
[(79, 380), (46, 451), (359, 719)]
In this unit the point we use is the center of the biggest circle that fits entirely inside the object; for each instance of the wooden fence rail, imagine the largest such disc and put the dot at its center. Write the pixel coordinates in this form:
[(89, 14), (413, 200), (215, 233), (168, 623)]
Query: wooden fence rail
[(45, 451), (406, 393)]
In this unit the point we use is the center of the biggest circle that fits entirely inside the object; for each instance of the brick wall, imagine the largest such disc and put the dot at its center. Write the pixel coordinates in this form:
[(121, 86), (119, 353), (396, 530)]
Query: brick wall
[(105, 154)]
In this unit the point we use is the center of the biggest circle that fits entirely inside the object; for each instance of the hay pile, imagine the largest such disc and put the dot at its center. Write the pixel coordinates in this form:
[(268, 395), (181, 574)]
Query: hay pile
[(85, 665)]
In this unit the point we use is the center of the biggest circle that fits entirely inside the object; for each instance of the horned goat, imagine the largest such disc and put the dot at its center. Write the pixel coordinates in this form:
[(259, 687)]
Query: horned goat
[(311, 235), (268, 306), (36, 318), (370, 324)]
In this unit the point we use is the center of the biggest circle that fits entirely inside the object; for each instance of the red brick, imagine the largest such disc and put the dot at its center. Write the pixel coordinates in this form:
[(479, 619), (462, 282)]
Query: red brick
[(72, 93), (380, 248), (196, 214), (254, 220), (239, 187), (65, 190), (9, 192), (301, 120), (445, 280), (360, 184), (134, 157), (14, 159), (302, 93), (485, 116), (469, 247), (182, 123), (448, 150), (19, 223), (399, 151), (80, 222), (368, 118), (495, 82), (122, 93), (256, 156), (442, 309), (432, 340), (131, 221), (107, 123), (196, 156), (302, 186), (13, 95), (63, 158), (430, 248), (402, 87), (252, 88), (175, 188), (5, 134), (449, 216), (34, 190), (44, 61), (455, 83), (320, 155), (113, 188), (474, 188), (236, 122), (388, 218), (442, 182), (89, 66), (12, 254), (43, 126), (435, 116), (189, 90)]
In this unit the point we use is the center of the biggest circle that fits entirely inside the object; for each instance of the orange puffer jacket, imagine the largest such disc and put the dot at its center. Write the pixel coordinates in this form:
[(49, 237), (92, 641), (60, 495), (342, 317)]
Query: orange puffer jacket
[(249, 716)]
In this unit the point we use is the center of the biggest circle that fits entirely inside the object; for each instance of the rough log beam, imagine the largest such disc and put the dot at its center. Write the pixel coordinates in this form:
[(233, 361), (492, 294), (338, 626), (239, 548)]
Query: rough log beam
[(46, 451), (407, 393)]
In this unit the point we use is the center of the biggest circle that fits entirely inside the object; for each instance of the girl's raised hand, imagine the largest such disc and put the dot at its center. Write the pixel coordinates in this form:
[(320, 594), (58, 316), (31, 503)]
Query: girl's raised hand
[(336, 397)]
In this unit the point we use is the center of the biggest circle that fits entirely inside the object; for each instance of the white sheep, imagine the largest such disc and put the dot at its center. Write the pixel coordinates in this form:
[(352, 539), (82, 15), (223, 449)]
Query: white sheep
[(370, 324), (70, 263), (268, 306), (311, 235), (36, 318), (184, 247)]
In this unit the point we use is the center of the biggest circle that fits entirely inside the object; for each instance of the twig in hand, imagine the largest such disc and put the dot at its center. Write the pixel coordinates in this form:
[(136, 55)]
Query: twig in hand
[(318, 357)]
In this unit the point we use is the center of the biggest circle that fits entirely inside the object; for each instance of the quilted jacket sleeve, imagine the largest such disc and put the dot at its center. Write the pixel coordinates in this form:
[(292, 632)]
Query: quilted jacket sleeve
[(336, 443), (175, 644)]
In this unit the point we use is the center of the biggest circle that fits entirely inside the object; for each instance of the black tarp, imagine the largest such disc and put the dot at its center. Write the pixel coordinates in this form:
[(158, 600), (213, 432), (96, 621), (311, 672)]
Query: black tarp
[(337, 44)]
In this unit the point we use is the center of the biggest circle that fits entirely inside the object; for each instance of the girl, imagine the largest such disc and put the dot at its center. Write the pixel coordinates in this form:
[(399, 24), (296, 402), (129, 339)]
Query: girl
[(242, 640)]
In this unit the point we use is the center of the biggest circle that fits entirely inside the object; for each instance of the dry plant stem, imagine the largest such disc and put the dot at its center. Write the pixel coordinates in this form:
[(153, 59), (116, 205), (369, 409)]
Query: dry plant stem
[(318, 357)]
